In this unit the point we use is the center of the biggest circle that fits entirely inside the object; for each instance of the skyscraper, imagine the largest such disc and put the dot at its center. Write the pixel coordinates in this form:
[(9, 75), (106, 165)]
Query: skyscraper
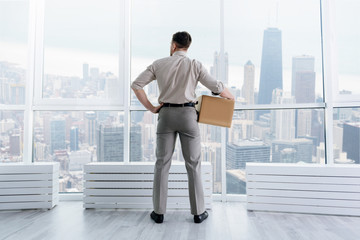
[(351, 141), (74, 139), (271, 65), (237, 154), (215, 69), (317, 125), (303, 79), (17, 93), (110, 143), (15, 144), (303, 125), (85, 71), (57, 134), (94, 80), (90, 126), (303, 89), (248, 86), (46, 117), (112, 86), (211, 152), (283, 121), (292, 151), (40, 151), (135, 143)]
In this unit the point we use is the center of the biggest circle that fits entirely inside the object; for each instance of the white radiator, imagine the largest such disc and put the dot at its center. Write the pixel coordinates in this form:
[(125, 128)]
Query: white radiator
[(29, 186), (304, 188), (119, 185)]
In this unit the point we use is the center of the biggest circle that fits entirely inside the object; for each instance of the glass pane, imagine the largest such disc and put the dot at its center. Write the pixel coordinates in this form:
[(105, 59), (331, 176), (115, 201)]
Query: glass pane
[(11, 136), (154, 23), (74, 138), (211, 152), (13, 51), (348, 38), (347, 135), (81, 49), (279, 47), (143, 136), (143, 133), (280, 136)]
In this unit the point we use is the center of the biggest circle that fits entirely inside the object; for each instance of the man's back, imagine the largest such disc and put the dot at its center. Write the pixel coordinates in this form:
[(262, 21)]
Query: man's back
[(177, 78)]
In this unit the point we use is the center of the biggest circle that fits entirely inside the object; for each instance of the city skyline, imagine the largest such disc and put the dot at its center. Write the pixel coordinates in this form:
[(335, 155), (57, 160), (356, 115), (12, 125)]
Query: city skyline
[(246, 129)]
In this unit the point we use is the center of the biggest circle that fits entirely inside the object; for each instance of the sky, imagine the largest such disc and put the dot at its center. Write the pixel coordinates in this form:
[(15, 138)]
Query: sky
[(92, 35)]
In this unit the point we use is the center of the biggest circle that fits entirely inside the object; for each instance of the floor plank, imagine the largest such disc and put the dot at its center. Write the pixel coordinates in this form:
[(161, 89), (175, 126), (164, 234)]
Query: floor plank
[(69, 220)]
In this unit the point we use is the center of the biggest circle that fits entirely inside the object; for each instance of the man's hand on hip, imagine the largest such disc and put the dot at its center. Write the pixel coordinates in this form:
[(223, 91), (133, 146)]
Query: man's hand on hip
[(157, 108)]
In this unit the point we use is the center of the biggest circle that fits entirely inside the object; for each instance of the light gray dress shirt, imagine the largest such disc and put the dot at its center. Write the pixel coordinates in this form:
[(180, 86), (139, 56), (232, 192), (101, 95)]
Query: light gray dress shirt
[(177, 78)]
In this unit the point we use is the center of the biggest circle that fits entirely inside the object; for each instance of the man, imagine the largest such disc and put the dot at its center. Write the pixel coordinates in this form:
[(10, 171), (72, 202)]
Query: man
[(177, 78)]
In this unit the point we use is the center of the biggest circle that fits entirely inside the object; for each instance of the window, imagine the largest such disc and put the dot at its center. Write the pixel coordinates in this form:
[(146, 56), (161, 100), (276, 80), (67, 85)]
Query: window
[(13, 51), (81, 50), (143, 136), (211, 151), (11, 136), (273, 45), (74, 138), (347, 38), (280, 136), (346, 135)]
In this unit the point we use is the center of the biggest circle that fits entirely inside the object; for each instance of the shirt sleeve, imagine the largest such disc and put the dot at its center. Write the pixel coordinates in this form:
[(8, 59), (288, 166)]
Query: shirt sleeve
[(144, 78), (209, 81)]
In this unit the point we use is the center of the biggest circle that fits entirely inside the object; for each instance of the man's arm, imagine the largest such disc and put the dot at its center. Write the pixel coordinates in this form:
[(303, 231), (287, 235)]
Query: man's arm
[(141, 95), (216, 87)]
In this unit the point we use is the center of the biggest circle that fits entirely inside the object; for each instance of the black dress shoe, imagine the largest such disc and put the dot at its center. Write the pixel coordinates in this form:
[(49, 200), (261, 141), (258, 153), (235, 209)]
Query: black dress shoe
[(201, 217), (158, 218)]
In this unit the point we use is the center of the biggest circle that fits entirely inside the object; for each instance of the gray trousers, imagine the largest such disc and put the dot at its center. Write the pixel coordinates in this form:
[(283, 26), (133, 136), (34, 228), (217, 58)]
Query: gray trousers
[(171, 122)]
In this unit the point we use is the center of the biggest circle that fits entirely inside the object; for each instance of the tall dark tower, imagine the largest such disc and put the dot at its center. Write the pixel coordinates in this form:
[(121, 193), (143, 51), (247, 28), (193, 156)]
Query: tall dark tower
[(271, 65)]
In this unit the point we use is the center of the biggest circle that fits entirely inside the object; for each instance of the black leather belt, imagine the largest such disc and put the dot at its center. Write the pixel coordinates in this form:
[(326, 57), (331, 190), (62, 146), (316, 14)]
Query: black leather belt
[(190, 104)]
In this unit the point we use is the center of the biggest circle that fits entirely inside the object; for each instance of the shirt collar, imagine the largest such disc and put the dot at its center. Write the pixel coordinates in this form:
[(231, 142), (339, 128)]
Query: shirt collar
[(179, 53)]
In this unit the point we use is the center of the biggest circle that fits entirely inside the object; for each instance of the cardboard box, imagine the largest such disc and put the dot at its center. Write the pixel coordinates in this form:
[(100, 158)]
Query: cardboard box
[(215, 110)]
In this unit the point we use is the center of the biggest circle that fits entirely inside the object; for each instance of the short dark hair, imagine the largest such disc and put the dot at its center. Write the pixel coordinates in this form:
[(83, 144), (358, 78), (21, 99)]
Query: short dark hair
[(182, 39)]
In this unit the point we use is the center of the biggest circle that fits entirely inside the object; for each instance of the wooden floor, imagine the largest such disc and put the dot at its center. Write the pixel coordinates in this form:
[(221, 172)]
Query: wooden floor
[(69, 220)]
